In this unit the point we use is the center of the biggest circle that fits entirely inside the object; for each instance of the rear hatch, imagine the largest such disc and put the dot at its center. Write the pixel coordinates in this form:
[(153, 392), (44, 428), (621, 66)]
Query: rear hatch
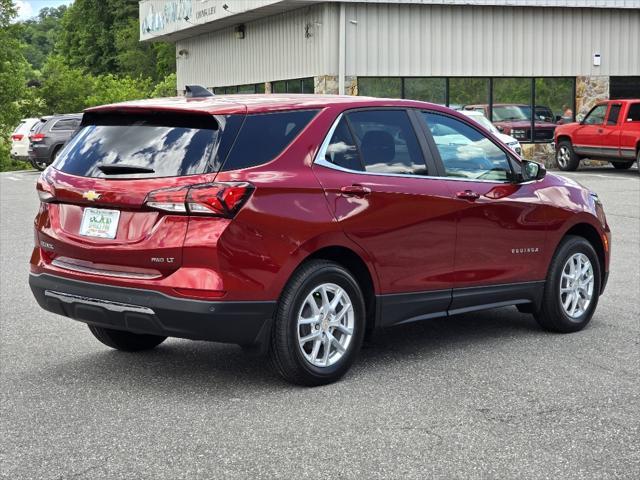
[(114, 201)]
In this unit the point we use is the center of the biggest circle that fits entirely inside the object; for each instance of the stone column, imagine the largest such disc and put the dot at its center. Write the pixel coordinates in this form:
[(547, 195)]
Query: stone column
[(589, 91), (325, 85)]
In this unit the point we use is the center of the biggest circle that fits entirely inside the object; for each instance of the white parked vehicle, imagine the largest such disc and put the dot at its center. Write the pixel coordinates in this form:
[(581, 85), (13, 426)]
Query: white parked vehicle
[(20, 138), (509, 141)]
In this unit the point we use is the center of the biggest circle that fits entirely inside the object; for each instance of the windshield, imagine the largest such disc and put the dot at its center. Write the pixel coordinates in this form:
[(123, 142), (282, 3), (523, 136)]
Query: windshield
[(505, 113)]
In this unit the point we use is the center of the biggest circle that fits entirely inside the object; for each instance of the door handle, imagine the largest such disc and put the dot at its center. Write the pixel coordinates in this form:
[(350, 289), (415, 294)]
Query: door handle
[(355, 191), (468, 195)]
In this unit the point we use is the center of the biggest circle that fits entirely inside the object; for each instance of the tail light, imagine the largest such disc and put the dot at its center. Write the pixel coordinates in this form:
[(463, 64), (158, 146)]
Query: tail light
[(45, 190), (16, 137), (213, 199), (37, 137)]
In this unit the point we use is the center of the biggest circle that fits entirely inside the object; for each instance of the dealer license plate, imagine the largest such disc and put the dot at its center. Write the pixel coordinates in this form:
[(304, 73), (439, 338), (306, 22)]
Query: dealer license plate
[(98, 222)]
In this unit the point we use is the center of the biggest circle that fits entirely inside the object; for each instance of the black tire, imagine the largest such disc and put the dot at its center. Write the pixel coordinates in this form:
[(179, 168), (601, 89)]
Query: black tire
[(126, 341), (622, 165), (285, 352), (552, 315), (38, 166), (566, 158)]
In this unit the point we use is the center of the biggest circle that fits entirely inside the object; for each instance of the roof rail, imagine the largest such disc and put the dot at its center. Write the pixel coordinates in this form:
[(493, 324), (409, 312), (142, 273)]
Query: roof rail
[(197, 91)]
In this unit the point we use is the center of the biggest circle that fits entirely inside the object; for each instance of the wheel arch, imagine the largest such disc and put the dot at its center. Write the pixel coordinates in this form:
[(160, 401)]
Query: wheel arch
[(591, 234), (354, 263), (563, 137)]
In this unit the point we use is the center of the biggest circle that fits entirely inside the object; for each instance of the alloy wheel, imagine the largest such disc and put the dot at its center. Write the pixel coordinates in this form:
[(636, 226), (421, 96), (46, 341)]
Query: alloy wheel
[(325, 325), (563, 156), (576, 285)]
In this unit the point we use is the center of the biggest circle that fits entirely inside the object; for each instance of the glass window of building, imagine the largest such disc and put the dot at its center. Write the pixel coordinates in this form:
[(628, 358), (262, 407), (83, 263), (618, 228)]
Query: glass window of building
[(386, 87), (468, 91), (426, 89)]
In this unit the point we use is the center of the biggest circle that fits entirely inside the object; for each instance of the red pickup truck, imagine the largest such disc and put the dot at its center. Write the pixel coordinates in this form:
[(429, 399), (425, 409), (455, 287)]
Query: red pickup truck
[(610, 131)]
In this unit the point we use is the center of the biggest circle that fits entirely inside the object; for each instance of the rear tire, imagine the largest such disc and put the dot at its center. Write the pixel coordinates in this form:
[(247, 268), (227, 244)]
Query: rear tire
[(334, 334), (566, 158), (37, 165), (126, 341), (559, 312), (622, 165)]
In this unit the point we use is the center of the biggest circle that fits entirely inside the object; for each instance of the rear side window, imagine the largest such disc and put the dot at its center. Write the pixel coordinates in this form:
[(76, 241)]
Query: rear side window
[(142, 146), (20, 125), (634, 113), (264, 136), (66, 124), (387, 142), (342, 150)]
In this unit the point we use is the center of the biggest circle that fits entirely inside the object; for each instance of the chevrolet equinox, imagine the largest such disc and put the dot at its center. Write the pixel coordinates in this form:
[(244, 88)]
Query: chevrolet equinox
[(295, 225)]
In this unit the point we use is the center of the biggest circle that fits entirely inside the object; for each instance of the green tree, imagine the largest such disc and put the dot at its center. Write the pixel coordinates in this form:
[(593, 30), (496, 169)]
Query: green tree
[(40, 35), (167, 87), (13, 74), (111, 89), (64, 89)]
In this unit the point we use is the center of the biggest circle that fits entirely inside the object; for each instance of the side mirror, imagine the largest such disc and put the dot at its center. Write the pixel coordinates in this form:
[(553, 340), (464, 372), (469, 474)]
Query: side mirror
[(500, 128), (532, 171), (580, 118)]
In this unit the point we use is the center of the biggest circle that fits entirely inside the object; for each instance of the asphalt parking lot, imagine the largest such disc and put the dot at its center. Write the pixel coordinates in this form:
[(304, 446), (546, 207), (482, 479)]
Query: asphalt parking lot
[(485, 395)]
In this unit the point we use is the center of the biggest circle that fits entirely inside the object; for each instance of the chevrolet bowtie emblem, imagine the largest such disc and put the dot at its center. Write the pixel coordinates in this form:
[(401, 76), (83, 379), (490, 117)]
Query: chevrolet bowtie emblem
[(91, 195)]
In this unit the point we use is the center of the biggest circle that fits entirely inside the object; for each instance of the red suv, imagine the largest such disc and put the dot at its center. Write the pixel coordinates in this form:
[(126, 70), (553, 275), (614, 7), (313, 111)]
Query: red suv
[(296, 225)]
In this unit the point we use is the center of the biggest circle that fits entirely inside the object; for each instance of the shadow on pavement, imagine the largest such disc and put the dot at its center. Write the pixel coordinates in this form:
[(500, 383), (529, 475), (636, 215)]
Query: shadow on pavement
[(203, 367)]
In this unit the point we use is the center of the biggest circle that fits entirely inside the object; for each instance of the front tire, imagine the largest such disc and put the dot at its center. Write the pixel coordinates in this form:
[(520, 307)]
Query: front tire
[(319, 324), (572, 288), (566, 158), (126, 341)]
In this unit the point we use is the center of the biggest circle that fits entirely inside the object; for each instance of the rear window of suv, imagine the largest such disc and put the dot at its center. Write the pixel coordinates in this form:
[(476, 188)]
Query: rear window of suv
[(170, 145), (145, 146)]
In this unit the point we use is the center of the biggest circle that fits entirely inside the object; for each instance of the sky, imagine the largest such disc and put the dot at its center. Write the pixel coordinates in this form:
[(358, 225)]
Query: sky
[(30, 8)]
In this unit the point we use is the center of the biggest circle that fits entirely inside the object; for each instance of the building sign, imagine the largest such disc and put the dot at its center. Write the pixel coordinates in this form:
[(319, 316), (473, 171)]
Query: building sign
[(163, 17)]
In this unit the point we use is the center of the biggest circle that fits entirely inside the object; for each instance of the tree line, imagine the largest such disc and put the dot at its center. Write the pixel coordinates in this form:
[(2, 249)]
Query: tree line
[(69, 58)]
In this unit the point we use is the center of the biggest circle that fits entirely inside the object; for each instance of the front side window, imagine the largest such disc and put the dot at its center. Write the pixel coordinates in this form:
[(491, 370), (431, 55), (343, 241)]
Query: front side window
[(596, 115), (387, 142), (465, 152)]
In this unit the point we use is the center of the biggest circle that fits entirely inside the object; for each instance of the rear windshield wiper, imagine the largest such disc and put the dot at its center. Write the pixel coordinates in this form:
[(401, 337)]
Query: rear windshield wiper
[(115, 169)]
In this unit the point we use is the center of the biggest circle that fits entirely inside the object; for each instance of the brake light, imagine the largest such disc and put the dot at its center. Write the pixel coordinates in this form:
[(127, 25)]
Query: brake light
[(37, 137), (45, 190), (213, 199), (16, 137)]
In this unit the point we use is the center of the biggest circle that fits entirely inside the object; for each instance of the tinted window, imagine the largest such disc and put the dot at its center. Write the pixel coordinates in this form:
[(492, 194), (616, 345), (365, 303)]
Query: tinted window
[(634, 113), (167, 146), (465, 152), (66, 124), (596, 115), (264, 136), (387, 142), (342, 150), (614, 112)]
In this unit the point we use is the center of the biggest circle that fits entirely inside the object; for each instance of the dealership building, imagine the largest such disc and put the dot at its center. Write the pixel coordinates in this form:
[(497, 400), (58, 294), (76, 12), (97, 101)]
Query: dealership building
[(560, 54)]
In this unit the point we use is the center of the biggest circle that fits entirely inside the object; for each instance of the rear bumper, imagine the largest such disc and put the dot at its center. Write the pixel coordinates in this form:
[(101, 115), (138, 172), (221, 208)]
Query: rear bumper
[(154, 313)]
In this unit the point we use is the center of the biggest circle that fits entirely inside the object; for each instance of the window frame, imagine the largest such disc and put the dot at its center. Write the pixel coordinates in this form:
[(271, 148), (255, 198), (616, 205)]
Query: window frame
[(412, 113), (513, 161)]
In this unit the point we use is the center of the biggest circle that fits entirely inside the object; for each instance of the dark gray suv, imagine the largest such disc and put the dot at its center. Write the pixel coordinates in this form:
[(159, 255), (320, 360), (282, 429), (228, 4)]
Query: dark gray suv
[(48, 137)]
